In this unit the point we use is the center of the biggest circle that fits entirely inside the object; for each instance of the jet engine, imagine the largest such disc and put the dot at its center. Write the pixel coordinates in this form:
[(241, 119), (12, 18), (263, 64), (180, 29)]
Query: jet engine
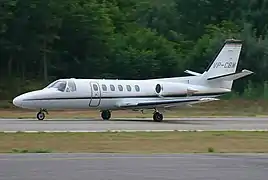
[(170, 89)]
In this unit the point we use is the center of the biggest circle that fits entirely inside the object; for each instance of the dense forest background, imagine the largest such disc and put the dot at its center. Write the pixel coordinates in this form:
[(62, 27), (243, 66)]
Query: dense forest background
[(41, 41)]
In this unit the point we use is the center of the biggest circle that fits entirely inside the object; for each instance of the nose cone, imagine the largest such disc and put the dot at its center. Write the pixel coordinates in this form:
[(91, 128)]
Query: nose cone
[(17, 101)]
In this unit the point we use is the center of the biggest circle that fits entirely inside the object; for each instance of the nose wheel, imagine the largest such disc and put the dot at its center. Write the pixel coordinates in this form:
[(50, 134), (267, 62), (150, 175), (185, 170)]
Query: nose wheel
[(158, 117), (41, 114), (106, 115)]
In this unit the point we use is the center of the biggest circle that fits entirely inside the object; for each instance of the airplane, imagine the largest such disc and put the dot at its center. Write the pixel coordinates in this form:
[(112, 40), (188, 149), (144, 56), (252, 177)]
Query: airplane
[(108, 95)]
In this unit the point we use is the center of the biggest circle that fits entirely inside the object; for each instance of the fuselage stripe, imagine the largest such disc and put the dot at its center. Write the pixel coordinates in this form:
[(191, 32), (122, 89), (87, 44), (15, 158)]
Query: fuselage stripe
[(120, 97)]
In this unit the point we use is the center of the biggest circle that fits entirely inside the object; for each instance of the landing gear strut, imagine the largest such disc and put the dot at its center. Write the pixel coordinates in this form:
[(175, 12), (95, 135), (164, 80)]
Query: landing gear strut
[(41, 114), (106, 114), (158, 117)]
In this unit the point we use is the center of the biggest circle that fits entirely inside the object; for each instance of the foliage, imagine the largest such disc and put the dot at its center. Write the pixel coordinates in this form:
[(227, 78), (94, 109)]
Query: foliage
[(45, 40)]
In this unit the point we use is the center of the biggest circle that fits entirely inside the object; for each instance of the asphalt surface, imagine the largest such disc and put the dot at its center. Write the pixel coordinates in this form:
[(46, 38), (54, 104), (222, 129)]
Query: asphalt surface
[(132, 167), (135, 124)]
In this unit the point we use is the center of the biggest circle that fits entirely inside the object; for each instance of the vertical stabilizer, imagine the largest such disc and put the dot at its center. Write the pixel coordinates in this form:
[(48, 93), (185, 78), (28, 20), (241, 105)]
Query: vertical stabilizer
[(224, 64), (227, 59)]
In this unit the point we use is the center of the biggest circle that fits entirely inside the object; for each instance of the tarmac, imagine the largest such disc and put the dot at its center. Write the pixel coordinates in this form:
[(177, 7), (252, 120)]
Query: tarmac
[(135, 124), (133, 167)]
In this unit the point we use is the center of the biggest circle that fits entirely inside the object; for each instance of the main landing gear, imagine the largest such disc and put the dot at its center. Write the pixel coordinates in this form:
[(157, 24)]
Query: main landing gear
[(105, 115), (157, 116), (41, 114)]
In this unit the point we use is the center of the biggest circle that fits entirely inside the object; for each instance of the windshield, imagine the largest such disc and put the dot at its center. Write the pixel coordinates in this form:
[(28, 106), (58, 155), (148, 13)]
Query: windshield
[(60, 85), (63, 86)]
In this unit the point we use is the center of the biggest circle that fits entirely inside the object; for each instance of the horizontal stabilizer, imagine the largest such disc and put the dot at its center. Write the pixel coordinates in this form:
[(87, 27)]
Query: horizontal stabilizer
[(192, 73), (232, 76)]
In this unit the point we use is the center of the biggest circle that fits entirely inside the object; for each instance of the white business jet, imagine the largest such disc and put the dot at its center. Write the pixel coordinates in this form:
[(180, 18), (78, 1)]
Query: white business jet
[(108, 95)]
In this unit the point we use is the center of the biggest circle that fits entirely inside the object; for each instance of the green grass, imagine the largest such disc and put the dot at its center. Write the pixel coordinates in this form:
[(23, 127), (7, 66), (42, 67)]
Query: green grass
[(136, 142), (30, 150)]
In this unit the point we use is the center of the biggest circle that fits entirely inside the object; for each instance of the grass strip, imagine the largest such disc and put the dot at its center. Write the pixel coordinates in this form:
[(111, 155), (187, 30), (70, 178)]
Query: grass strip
[(135, 142)]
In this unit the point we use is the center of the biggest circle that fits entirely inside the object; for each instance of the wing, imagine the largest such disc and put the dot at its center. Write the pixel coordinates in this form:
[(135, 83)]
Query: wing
[(162, 103)]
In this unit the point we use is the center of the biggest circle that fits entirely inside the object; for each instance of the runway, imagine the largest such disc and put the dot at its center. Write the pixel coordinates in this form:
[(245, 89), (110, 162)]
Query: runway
[(133, 167), (169, 124)]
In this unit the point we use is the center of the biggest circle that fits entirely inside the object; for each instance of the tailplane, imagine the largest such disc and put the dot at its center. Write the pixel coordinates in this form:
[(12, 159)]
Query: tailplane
[(232, 76)]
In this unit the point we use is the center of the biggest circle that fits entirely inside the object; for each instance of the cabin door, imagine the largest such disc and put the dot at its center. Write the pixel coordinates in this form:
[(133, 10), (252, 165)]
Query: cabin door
[(95, 94)]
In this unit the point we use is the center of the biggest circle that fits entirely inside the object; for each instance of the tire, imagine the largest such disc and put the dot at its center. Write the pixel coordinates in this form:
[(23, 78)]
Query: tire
[(158, 117), (106, 115), (40, 116)]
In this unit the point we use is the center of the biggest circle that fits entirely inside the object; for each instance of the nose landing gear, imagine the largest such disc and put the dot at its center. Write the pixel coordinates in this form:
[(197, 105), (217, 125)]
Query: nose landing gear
[(41, 114)]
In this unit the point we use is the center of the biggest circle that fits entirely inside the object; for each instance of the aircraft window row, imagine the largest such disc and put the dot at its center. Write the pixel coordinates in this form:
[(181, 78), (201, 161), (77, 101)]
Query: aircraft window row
[(112, 87)]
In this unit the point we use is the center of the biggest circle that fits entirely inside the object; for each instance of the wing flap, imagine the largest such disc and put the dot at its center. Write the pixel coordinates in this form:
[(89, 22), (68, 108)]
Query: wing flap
[(163, 102)]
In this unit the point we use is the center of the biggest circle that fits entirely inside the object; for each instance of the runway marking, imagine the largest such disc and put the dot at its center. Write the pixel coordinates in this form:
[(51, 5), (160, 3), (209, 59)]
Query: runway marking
[(83, 158), (100, 131), (112, 156)]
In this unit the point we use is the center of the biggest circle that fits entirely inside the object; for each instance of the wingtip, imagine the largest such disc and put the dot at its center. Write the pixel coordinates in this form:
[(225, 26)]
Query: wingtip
[(247, 71)]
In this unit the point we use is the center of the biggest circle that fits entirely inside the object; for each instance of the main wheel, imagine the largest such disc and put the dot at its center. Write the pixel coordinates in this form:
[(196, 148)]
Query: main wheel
[(158, 117), (106, 115), (40, 116)]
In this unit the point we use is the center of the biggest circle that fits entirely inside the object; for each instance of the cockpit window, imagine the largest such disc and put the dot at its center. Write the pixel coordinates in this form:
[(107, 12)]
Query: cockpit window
[(60, 85), (72, 86), (63, 86)]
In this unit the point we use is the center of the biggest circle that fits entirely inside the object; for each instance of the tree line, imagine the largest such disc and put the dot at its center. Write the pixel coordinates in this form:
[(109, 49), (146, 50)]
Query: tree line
[(41, 41)]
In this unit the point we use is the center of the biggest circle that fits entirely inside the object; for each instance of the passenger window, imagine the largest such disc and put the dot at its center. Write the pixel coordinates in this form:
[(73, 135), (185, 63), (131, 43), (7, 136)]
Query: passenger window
[(112, 87), (128, 88), (104, 87), (137, 88), (95, 87), (120, 88), (72, 86)]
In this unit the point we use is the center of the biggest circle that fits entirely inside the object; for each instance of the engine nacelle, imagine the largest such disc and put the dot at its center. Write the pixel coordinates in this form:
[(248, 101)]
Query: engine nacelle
[(169, 89)]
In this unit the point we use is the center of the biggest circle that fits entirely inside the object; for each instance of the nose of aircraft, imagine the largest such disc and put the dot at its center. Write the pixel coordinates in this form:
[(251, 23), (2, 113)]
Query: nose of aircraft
[(17, 101)]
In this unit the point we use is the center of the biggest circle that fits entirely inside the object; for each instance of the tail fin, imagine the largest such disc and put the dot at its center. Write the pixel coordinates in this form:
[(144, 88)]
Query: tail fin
[(227, 59), (222, 71)]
